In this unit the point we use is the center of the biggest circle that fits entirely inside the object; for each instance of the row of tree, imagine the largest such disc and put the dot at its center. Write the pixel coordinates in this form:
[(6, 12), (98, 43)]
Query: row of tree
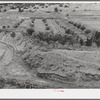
[(63, 39)]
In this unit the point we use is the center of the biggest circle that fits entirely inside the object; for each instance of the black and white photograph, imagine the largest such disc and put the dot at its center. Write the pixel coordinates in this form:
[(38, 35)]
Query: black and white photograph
[(49, 45)]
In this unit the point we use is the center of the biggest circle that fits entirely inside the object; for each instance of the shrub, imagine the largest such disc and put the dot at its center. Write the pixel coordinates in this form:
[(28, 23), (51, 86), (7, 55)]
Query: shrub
[(56, 9), (97, 38), (69, 21), (81, 42), (83, 28), (67, 14), (65, 6), (67, 31), (60, 5), (78, 25), (97, 35), (20, 10), (3, 27), (5, 10), (44, 20), (46, 24), (75, 24), (13, 34), (46, 6), (63, 40), (57, 37), (98, 42), (60, 10), (73, 10), (31, 24), (30, 31), (41, 35), (8, 26), (48, 11), (89, 42), (16, 25), (46, 37), (47, 28), (88, 31)]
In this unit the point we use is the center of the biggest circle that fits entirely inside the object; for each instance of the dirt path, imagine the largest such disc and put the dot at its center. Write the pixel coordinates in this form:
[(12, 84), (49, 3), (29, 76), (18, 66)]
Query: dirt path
[(12, 67)]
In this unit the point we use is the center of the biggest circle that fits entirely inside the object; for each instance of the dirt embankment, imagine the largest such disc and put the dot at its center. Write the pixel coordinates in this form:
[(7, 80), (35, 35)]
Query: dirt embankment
[(80, 68)]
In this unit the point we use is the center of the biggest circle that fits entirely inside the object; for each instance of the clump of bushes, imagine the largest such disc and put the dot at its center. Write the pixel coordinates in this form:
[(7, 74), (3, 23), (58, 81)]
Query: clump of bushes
[(49, 37), (69, 31)]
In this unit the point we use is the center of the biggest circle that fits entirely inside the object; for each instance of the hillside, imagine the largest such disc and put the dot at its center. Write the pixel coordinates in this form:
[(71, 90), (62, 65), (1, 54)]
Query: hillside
[(49, 45)]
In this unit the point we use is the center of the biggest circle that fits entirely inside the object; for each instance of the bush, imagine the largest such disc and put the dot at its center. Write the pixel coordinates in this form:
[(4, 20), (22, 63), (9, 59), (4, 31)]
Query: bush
[(60, 5), (89, 42), (5, 10), (20, 10), (65, 6), (44, 20), (16, 25), (67, 14), (46, 6), (98, 42), (32, 24), (63, 40), (47, 28), (56, 9), (60, 10), (78, 25), (57, 37), (97, 38), (88, 31), (97, 35), (83, 28), (75, 24), (3, 27), (8, 26), (30, 31), (46, 24), (73, 10), (67, 31), (13, 34), (69, 21), (81, 42)]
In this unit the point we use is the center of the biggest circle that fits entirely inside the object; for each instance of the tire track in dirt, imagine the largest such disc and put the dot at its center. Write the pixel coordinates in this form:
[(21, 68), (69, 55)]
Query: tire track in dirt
[(15, 69)]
